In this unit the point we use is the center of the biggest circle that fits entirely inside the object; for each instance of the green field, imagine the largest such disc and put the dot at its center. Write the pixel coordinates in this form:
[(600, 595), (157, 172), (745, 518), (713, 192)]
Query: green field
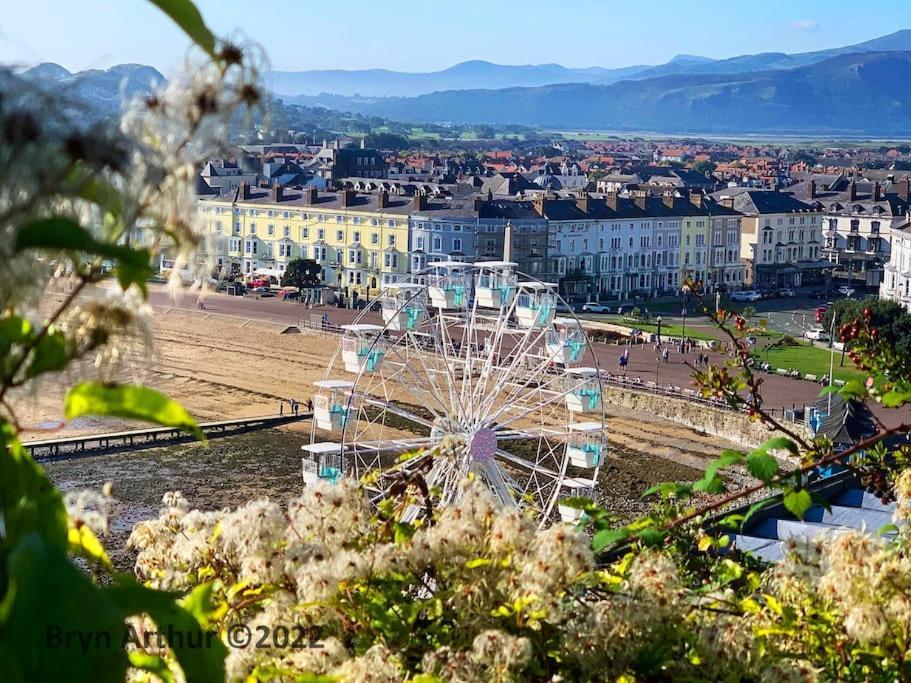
[(808, 359)]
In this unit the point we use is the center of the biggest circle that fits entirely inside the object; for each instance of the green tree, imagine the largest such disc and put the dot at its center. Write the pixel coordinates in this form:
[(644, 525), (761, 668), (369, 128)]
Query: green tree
[(891, 320), (705, 166), (302, 273)]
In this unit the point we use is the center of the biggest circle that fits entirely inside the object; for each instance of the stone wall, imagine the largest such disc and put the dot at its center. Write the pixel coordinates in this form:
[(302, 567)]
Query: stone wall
[(726, 424)]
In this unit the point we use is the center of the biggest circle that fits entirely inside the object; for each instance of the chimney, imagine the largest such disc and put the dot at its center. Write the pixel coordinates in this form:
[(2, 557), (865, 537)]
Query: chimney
[(478, 203), (244, 190), (382, 199), (346, 198), (582, 201), (696, 198), (277, 193), (903, 189), (419, 201), (612, 200), (852, 191), (812, 189), (669, 198), (877, 192), (310, 195), (539, 204), (640, 197)]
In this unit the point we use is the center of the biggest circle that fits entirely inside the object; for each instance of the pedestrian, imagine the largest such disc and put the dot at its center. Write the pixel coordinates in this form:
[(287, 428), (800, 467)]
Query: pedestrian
[(294, 406), (666, 356), (309, 405), (281, 407)]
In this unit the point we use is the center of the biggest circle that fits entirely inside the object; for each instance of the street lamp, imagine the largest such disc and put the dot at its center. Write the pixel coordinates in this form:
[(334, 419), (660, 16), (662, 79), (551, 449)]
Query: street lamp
[(658, 351)]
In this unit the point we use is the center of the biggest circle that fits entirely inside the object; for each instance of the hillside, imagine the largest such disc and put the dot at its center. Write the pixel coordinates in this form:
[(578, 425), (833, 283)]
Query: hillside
[(481, 75), (467, 75), (103, 90), (852, 93)]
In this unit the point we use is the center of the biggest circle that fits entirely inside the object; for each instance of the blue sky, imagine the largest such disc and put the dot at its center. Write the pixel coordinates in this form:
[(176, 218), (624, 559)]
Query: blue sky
[(420, 36)]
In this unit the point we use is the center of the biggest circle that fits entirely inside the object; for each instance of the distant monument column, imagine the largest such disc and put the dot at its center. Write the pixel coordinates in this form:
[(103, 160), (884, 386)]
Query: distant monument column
[(507, 242)]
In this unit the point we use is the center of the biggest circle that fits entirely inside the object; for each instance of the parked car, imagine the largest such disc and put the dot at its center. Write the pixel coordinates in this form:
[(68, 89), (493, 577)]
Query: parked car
[(816, 334), (786, 293), (564, 308), (822, 308), (595, 308), (768, 294), (847, 291), (819, 294), (746, 295), (260, 290)]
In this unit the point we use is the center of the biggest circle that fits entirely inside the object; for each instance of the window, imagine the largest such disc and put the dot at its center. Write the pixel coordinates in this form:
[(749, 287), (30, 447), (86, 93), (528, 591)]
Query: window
[(321, 234), (391, 223), (236, 227), (287, 231), (357, 236), (419, 242), (438, 243), (339, 219), (457, 244), (391, 240), (218, 227), (356, 220), (374, 238), (340, 235), (305, 233), (252, 228), (271, 229)]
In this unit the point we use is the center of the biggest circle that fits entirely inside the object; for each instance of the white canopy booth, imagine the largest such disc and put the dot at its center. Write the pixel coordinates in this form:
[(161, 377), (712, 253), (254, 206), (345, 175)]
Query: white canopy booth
[(322, 462), (583, 391), (585, 445), (574, 488), (449, 284), (404, 306), (536, 304), (330, 405), (495, 283), (565, 342), (363, 349)]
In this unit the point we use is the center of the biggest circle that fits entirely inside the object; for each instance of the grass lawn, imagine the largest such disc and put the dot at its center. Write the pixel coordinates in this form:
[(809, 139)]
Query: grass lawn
[(666, 328), (809, 360)]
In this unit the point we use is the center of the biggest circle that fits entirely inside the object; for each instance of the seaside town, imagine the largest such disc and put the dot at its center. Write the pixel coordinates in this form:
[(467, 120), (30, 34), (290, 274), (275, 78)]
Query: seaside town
[(363, 364)]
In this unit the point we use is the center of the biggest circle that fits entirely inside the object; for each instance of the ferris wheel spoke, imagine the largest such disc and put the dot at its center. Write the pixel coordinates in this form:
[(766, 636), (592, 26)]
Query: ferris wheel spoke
[(552, 398), (493, 475), (430, 397), (518, 390), (524, 464), (518, 356)]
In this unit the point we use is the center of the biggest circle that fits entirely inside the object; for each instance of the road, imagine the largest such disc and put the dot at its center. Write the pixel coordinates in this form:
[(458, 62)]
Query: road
[(778, 392)]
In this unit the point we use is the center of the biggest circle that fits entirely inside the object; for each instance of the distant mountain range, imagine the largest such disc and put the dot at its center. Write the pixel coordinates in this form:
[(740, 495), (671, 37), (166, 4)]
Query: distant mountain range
[(860, 93), (103, 90), (474, 75), (859, 90)]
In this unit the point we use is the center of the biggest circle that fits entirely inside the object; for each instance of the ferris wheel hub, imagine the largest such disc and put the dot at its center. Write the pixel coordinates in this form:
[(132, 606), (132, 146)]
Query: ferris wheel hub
[(483, 445)]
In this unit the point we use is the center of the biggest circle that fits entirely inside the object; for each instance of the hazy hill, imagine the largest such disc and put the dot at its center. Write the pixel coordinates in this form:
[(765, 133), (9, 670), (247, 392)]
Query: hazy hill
[(464, 76), (475, 75), (102, 89), (857, 93)]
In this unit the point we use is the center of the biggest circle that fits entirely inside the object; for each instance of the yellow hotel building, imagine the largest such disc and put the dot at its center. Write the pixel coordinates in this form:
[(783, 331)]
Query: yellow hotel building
[(361, 241)]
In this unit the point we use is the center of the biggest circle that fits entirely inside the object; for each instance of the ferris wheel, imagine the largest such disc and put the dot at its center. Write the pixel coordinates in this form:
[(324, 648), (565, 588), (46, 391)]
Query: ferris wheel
[(468, 373)]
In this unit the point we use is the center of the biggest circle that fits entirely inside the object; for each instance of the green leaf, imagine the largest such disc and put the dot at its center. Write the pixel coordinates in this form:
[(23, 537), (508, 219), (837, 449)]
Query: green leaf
[(652, 537), (762, 466), (754, 508), (779, 443), (50, 354), (200, 652), (64, 234), (52, 598), (609, 537), (670, 489), (711, 482), (153, 664), (797, 502), (129, 401), (887, 529), (187, 17), (13, 330), (28, 500), (853, 388), (894, 399)]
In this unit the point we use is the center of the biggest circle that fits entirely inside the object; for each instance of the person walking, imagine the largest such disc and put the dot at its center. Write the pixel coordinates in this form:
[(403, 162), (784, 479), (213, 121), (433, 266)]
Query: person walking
[(281, 407), (309, 405), (666, 355)]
